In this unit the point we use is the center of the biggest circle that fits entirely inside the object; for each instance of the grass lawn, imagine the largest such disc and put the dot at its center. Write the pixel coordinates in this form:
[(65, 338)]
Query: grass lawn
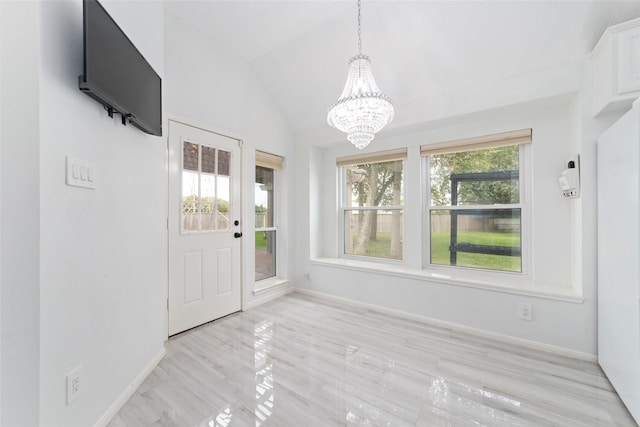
[(381, 247), (440, 249), (261, 240)]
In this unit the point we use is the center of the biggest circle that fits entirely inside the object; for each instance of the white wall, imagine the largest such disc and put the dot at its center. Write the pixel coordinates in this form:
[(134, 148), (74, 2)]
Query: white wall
[(20, 231), (102, 252), (210, 87)]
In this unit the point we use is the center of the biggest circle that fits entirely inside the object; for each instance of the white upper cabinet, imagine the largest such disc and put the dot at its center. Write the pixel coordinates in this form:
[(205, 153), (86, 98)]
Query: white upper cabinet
[(616, 68)]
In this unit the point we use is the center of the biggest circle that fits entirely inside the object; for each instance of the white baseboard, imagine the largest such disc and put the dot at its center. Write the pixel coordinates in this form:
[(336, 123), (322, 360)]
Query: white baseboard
[(535, 345), (269, 296), (131, 388), (268, 285)]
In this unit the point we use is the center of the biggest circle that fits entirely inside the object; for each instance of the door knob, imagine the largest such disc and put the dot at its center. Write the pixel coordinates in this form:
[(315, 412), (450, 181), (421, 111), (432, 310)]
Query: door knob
[(237, 235)]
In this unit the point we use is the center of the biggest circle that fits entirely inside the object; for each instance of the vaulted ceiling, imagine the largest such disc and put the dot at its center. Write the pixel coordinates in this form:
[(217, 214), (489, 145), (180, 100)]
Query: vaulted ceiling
[(420, 50)]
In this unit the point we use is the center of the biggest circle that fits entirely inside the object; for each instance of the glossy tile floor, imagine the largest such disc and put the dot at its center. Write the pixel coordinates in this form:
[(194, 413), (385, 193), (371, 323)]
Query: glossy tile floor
[(303, 361)]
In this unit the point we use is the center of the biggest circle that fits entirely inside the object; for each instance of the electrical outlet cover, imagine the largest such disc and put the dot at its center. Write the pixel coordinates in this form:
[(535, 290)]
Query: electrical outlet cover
[(73, 385), (524, 311)]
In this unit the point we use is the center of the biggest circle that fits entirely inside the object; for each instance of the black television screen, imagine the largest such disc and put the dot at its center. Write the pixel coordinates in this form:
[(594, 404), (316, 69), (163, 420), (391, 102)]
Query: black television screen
[(116, 74)]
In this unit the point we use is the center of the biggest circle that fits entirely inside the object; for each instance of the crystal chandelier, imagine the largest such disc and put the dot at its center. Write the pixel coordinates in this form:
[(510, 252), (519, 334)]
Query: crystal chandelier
[(362, 110)]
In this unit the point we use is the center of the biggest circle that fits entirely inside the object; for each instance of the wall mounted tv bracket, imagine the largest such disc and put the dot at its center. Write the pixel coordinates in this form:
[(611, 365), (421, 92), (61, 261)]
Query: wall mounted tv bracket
[(124, 117)]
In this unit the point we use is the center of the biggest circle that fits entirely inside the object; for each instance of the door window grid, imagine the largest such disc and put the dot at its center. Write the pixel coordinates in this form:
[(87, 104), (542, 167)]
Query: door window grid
[(205, 191)]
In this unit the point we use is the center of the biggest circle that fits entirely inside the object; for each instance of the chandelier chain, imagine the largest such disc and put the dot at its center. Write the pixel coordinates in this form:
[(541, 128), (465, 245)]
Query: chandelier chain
[(359, 32)]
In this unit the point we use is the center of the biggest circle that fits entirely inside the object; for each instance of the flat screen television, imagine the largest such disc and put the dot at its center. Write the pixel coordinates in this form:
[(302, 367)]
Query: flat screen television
[(116, 74)]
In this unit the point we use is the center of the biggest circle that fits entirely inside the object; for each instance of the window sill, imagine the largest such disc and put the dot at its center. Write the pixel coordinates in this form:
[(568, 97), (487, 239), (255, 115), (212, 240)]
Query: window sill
[(271, 283), (527, 289)]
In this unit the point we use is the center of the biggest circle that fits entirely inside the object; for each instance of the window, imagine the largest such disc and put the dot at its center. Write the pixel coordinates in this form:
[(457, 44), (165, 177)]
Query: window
[(372, 204), (475, 205), (205, 188), (265, 225)]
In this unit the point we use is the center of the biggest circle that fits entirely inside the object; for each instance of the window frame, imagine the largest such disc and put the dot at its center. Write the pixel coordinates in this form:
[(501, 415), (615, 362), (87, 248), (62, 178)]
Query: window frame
[(274, 163), (342, 163), (524, 204)]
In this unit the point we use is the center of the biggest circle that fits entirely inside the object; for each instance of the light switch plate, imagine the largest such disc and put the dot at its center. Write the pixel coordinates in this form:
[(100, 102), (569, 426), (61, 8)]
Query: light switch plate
[(81, 173)]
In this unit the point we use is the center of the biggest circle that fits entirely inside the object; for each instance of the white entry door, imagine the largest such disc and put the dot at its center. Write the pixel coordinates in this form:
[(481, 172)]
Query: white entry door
[(204, 226)]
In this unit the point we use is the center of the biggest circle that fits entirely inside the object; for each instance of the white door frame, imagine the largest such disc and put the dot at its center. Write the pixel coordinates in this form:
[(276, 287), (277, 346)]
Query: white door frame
[(225, 133)]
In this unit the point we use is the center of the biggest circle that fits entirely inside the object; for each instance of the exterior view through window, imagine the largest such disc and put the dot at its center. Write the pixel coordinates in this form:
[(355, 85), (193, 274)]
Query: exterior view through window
[(265, 230), (373, 207), (475, 208), (267, 166), (205, 188)]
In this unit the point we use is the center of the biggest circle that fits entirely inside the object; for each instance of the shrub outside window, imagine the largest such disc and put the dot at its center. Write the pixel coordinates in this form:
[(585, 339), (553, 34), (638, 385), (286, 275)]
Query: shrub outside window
[(372, 204), (475, 204)]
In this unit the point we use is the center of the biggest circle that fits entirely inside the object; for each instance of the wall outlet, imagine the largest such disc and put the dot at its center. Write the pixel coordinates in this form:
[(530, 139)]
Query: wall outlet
[(524, 311), (73, 385), (306, 275)]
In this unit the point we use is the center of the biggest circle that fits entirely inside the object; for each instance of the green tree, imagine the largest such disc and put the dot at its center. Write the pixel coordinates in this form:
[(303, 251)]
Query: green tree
[(376, 184), (478, 192)]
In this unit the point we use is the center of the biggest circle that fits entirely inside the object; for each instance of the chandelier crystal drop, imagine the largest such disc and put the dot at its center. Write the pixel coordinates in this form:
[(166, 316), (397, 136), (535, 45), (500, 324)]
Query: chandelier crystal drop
[(362, 109)]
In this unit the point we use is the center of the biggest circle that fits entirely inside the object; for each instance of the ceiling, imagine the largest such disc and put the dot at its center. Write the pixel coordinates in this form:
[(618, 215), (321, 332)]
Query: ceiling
[(419, 49)]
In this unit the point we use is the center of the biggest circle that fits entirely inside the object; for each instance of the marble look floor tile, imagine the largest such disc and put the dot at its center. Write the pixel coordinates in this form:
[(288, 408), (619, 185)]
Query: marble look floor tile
[(305, 361)]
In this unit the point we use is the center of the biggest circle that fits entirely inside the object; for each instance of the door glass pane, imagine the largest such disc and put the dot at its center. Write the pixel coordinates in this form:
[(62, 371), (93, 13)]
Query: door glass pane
[(208, 159), (223, 207), (190, 215), (190, 156), (222, 221), (189, 184), (190, 200), (224, 160), (208, 183), (376, 233), (208, 217), (480, 238), (223, 189), (265, 254)]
